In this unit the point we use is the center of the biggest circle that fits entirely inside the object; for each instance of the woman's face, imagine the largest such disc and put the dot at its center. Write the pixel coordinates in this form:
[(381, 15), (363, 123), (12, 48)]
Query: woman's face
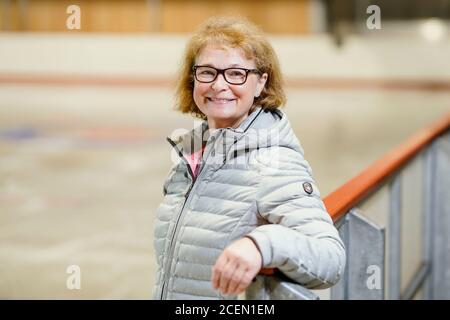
[(226, 105)]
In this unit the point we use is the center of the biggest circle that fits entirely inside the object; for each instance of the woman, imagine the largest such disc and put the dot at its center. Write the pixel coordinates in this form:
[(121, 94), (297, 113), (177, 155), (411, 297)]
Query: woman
[(242, 197)]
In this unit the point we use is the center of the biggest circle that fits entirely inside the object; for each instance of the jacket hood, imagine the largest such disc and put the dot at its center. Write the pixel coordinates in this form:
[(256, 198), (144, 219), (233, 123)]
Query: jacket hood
[(261, 129)]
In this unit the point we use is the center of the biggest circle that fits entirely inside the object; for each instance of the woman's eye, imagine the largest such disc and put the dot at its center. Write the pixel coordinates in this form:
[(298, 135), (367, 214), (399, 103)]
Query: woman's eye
[(236, 74)]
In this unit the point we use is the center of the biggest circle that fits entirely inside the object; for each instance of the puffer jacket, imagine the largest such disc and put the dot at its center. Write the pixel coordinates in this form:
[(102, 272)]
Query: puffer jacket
[(255, 182)]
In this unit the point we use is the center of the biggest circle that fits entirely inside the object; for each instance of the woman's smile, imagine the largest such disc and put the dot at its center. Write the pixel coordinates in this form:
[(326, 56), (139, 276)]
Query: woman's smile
[(220, 101), (225, 104)]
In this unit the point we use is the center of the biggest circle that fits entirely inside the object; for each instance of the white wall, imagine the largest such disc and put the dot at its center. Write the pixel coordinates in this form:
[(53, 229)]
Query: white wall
[(149, 55)]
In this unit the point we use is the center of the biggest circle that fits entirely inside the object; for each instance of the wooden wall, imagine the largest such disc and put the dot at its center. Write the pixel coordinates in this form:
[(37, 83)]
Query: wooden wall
[(275, 16)]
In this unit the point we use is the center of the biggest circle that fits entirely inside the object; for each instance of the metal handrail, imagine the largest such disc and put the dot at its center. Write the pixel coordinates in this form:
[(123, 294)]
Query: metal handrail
[(352, 192), (340, 201), (341, 205), (379, 246)]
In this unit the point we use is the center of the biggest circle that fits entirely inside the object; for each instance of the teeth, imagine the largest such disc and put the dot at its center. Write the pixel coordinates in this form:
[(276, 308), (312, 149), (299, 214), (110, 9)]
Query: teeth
[(220, 100)]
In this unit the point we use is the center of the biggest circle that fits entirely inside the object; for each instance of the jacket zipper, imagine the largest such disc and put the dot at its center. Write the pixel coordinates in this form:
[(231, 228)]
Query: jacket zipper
[(168, 265), (172, 245)]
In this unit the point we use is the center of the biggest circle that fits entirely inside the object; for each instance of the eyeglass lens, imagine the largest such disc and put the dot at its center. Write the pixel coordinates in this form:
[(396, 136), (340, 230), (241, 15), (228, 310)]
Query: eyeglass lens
[(208, 74)]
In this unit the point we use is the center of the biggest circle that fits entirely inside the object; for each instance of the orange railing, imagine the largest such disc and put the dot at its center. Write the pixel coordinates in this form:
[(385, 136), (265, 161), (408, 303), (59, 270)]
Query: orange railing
[(348, 195), (340, 201)]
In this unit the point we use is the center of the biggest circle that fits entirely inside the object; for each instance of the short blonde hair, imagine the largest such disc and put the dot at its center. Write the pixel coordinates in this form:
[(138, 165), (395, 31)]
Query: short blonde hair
[(231, 32)]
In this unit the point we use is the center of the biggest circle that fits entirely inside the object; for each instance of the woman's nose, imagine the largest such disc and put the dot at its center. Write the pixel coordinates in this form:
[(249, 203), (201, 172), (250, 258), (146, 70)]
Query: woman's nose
[(219, 83)]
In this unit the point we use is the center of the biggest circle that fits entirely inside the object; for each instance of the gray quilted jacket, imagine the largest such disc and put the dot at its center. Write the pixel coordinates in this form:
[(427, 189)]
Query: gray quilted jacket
[(255, 182)]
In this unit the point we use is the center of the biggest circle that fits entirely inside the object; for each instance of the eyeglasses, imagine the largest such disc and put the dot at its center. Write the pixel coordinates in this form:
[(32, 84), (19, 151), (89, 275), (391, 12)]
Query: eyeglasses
[(207, 74)]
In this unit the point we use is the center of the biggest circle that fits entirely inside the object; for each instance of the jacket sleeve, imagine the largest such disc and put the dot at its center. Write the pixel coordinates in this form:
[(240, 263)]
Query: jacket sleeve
[(299, 238)]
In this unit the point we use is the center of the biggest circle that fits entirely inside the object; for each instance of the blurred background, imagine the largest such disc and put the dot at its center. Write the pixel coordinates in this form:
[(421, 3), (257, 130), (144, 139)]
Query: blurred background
[(86, 101)]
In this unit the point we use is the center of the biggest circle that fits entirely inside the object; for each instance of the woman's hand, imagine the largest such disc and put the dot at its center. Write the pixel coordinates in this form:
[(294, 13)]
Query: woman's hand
[(236, 267)]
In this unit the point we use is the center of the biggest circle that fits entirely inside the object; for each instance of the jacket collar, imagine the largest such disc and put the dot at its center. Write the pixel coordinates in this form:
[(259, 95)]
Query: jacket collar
[(198, 137), (261, 129)]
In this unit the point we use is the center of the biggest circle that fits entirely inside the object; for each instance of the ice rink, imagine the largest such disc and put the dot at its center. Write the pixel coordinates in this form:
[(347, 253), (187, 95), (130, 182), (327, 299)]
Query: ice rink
[(82, 166)]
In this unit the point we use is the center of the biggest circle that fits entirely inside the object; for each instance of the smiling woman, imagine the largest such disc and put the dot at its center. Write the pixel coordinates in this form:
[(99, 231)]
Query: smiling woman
[(242, 197), (226, 105)]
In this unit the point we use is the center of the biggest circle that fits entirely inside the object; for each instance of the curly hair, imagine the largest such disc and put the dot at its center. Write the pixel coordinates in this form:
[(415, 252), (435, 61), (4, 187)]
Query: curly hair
[(230, 32)]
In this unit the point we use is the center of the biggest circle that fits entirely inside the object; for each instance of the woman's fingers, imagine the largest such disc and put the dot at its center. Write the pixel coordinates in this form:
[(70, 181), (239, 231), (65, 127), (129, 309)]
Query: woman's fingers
[(226, 272), (245, 282), (217, 271), (226, 275), (236, 267), (235, 281)]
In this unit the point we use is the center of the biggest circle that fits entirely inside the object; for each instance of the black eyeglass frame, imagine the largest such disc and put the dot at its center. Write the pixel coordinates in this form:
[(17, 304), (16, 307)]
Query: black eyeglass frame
[(222, 72)]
